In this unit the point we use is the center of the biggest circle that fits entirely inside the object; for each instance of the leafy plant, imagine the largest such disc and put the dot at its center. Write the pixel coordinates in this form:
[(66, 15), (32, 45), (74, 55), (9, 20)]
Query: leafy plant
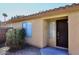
[(15, 38)]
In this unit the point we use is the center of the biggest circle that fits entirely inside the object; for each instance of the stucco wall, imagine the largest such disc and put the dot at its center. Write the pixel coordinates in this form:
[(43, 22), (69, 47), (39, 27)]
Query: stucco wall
[(73, 33), (52, 35), (49, 30), (16, 25), (45, 33), (37, 34), (5, 25)]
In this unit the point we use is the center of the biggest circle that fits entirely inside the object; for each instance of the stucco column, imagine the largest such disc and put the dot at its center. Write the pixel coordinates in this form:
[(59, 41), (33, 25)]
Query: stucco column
[(73, 27)]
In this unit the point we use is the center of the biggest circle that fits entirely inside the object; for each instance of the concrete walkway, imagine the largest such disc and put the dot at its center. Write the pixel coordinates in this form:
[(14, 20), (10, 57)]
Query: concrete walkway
[(30, 50), (53, 51), (3, 50), (26, 51)]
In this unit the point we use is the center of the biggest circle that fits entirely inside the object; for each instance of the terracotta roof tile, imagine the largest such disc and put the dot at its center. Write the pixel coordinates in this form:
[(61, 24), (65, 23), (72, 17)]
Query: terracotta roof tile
[(67, 6)]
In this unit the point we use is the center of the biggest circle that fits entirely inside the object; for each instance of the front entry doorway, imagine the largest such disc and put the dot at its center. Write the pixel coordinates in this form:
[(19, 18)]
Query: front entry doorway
[(62, 33)]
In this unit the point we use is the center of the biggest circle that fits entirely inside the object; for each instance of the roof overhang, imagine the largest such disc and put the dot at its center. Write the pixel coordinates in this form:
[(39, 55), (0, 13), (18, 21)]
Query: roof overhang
[(62, 11)]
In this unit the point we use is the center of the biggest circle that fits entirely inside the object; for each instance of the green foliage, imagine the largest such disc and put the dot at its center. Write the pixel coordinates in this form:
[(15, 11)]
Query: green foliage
[(4, 14), (15, 38)]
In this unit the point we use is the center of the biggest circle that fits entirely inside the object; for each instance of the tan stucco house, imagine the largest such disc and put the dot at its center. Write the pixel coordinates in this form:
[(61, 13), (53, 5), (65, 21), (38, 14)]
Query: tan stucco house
[(57, 27)]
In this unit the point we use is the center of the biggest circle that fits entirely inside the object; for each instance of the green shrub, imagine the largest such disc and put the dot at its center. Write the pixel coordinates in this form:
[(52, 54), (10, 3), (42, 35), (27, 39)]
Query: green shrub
[(15, 38)]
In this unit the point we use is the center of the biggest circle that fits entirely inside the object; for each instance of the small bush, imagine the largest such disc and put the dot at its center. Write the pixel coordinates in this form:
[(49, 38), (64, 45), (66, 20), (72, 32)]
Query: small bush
[(15, 38)]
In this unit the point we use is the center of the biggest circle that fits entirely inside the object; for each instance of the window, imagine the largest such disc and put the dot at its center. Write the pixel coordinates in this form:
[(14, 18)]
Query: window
[(28, 29), (52, 30)]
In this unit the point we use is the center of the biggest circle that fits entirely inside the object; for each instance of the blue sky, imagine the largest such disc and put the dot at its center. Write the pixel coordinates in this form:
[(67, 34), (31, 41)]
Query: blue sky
[(13, 9)]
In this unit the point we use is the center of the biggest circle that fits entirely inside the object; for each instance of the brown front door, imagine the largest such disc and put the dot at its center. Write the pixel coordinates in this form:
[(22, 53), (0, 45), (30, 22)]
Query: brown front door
[(62, 33)]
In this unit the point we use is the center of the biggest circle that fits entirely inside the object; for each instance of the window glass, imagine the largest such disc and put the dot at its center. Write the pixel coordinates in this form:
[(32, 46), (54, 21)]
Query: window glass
[(28, 29)]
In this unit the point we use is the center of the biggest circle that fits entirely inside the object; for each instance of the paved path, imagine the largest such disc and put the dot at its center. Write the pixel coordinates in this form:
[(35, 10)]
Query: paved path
[(53, 51), (26, 51), (29, 50), (3, 50)]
